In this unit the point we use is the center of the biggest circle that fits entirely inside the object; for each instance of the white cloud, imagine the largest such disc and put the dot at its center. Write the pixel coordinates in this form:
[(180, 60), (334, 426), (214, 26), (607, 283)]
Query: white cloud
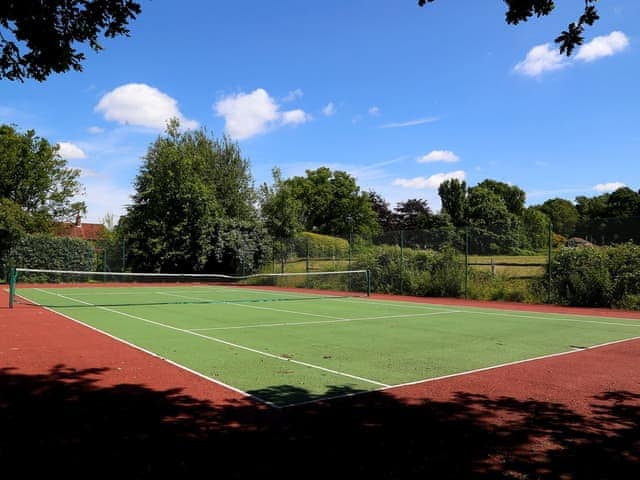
[(329, 110), (540, 59), (293, 95), (608, 187), (374, 111), (95, 130), (294, 117), (70, 151), (249, 114), (410, 123), (603, 46), (431, 182), (141, 105), (446, 156)]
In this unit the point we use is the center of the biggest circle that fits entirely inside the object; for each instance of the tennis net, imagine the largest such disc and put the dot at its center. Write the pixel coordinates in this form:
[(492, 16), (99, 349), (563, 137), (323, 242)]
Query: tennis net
[(79, 288)]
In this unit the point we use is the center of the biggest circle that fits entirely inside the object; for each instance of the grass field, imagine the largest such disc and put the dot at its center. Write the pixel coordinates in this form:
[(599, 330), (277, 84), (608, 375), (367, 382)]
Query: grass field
[(287, 348)]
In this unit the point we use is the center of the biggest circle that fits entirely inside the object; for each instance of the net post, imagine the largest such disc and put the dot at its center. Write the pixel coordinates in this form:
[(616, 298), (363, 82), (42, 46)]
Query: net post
[(368, 283), (12, 285)]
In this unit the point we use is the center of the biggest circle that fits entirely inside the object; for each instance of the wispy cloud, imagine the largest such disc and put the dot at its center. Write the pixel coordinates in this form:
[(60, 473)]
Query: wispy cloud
[(431, 182), (603, 46), (445, 156), (410, 123), (293, 95), (374, 111), (70, 151), (540, 59), (329, 109), (547, 58), (141, 105), (608, 187), (249, 114)]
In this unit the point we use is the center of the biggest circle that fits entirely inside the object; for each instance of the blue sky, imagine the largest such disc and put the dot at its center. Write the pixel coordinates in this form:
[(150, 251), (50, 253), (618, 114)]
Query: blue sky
[(402, 97)]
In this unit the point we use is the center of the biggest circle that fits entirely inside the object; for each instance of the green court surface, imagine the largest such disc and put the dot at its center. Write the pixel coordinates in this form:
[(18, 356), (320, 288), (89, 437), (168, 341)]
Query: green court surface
[(287, 348)]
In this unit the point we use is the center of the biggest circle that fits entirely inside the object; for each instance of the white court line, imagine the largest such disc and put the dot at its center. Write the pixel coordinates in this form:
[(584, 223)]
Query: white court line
[(224, 342), (540, 316), (153, 354), (332, 318), (319, 322)]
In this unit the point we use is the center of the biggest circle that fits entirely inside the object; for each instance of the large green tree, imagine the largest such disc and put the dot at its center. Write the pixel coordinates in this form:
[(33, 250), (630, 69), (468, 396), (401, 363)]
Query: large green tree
[(512, 195), (453, 195), (193, 209), (38, 38), (332, 203), (522, 10), (281, 211), (563, 215), (34, 176)]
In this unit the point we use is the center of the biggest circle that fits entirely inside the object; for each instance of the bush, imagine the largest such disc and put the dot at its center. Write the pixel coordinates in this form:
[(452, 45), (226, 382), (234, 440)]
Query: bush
[(52, 253), (597, 277), (413, 272)]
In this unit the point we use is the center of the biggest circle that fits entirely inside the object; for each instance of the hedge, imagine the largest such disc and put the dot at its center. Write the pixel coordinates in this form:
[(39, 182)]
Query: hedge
[(52, 253)]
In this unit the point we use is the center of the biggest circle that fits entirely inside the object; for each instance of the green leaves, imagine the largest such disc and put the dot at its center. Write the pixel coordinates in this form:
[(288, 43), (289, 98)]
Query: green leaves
[(40, 37)]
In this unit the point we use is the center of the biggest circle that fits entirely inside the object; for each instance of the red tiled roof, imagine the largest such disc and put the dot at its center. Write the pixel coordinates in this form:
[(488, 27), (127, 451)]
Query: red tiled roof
[(86, 231)]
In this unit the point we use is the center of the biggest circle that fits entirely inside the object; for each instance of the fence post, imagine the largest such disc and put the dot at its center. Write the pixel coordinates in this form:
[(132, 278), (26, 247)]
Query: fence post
[(466, 262), (549, 261), (401, 262)]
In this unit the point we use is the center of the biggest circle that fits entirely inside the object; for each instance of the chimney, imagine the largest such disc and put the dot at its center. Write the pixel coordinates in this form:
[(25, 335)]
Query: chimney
[(78, 220)]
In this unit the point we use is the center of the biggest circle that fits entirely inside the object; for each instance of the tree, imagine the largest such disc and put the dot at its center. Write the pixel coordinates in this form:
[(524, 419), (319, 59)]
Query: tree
[(281, 211), (39, 37), (453, 195), (193, 208), (492, 228), (385, 217), (333, 203), (36, 178), (522, 10), (413, 214), (592, 207), (563, 215), (513, 196), (535, 229), (624, 202)]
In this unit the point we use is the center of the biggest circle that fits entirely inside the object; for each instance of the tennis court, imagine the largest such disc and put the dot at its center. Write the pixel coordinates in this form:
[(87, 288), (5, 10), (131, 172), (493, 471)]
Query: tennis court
[(286, 347)]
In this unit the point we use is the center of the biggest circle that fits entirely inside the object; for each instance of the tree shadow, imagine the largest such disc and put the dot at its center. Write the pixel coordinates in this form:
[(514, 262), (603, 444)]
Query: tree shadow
[(64, 423)]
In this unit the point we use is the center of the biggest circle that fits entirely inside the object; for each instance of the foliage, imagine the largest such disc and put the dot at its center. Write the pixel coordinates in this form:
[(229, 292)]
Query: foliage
[(15, 222), (191, 192), (385, 217), (34, 176), (597, 277), (522, 10), (331, 201), (281, 211), (40, 37), (413, 214), (512, 196), (492, 228), (413, 272), (53, 253), (563, 215), (453, 195)]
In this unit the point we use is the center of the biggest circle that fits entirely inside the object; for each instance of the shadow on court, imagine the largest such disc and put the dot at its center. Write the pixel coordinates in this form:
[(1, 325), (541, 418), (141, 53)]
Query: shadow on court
[(63, 424)]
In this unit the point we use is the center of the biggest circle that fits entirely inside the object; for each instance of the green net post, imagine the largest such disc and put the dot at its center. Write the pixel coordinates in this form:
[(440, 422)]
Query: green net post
[(12, 285)]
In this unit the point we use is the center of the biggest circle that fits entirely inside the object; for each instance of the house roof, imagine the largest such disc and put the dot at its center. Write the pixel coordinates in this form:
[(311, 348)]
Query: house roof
[(86, 231)]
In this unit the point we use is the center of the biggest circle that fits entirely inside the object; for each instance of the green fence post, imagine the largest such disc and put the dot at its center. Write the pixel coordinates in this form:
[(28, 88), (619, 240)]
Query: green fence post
[(401, 262), (549, 261), (368, 283), (307, 265), (466, 262)]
